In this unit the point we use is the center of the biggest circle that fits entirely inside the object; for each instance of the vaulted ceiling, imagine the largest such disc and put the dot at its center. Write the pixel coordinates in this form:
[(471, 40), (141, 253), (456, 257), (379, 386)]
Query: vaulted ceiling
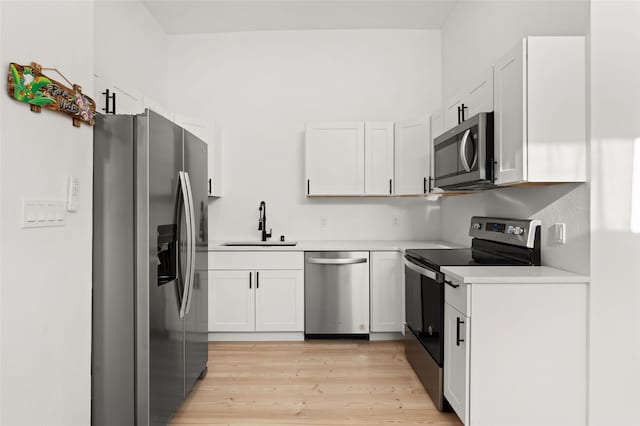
[(213, 16)]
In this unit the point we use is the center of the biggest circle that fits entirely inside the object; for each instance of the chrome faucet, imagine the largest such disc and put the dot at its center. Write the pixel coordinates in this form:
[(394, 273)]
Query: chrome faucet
[(262, 222)]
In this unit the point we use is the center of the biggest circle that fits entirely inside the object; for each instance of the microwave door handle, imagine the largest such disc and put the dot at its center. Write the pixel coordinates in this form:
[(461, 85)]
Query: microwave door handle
[(463, 149)]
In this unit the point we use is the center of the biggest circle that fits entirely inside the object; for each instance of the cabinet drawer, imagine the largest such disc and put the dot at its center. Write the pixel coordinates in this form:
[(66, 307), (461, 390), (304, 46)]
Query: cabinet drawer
[(456, 293), (265, 260)]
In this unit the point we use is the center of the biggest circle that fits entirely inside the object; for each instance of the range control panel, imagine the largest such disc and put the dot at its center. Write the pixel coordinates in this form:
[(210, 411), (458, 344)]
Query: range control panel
[(520, 232)]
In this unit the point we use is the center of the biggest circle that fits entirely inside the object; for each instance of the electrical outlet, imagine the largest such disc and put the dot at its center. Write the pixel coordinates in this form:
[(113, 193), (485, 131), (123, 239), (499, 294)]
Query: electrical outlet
[(559, 233), (395, 220), (323, 221)]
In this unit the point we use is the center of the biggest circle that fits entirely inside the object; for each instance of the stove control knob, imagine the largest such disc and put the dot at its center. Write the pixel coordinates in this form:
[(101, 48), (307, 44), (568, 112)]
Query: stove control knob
[(511, 230), (477, 225), (518, 230)]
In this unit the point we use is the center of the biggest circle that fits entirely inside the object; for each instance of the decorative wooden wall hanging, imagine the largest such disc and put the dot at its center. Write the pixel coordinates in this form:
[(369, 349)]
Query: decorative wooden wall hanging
[(28, 84)]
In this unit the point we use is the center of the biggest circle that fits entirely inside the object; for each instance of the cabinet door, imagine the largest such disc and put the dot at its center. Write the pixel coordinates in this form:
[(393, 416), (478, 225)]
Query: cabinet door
[(378, 165), (231, 301), (334, 158), (386, 291), (437, 124), (207, 133), (456, 361), (412, 158), (452, 115), (479, 98), (437, 128), (157, 107), (125, 101), (280, 300), (510, 127)]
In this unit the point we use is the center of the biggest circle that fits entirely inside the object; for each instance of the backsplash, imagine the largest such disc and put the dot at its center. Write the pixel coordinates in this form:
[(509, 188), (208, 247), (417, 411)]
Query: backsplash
[(563, 203)]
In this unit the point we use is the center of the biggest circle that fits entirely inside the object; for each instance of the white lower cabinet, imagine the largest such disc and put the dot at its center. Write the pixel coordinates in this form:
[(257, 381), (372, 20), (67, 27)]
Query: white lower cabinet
[(279, 300), (231, 301), (523, 359), (386, 286), (256, 292), (456, 355)]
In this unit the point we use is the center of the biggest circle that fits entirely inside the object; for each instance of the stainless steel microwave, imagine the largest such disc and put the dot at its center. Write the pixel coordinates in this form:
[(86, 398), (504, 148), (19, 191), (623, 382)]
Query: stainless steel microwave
[(464, 155)]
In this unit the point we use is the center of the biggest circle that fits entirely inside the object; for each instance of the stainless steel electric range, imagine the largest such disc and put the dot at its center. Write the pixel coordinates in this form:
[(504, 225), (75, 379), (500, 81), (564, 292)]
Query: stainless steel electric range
[(496, 242)]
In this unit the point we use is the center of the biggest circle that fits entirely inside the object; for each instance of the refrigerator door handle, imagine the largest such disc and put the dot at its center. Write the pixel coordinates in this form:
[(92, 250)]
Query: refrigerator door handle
[(187, 217), (192, 275)]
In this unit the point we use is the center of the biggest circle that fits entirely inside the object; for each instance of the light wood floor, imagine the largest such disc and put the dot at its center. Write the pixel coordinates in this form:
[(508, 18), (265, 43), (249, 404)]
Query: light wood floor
[(310, 383)]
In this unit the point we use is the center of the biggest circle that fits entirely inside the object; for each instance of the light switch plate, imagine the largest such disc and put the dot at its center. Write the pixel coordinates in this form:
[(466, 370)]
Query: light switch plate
[(43, 213)]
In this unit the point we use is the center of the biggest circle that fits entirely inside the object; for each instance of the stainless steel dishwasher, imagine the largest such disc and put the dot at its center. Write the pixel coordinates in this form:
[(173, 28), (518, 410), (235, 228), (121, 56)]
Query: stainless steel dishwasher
[(336, 293)]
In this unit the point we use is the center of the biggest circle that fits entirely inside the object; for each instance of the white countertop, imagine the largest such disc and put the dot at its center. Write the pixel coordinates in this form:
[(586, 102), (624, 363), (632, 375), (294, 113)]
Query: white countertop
[(512, 275), (338, 245)]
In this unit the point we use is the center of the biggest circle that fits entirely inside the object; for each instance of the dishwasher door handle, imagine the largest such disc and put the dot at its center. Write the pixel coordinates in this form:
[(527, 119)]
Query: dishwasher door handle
[(321, 261)]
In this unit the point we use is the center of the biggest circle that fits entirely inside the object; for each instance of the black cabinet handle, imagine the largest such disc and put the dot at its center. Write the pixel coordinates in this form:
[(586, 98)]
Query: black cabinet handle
[(459, 116), (449, 283), (424, 185), (462, 108), (458, 339), (250, 279), (210, 191), (257, 279), (109, 97), (390, 186), (308, 185), (430, 184)]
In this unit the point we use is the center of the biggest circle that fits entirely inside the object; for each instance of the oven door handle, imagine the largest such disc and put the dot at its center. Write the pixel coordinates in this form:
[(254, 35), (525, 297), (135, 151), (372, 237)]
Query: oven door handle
[(420, 270)]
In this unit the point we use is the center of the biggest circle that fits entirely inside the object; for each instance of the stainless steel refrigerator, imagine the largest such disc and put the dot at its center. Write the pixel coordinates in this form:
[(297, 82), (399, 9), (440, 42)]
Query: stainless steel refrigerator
[(149, 341)]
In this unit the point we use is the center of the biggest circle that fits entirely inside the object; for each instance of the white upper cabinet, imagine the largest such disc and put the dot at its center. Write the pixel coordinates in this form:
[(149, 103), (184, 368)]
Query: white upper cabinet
[(476, 98), (509, 117), (452, 112), (112, 98), (378, 166), (334, 158), (540, 112), (437, 124), (157, 107), (479, 97), (412, 157), (436, 129), (209, 134)]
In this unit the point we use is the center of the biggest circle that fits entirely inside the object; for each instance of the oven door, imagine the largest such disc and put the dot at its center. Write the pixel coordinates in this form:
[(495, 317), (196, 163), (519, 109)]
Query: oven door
[(464, 155), (424, 305)]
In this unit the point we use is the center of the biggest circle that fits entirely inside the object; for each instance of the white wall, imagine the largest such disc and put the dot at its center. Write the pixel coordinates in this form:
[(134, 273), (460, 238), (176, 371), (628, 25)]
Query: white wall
[(131, 49), (490, 29), (45, 274), (261, 88), (615, 214)]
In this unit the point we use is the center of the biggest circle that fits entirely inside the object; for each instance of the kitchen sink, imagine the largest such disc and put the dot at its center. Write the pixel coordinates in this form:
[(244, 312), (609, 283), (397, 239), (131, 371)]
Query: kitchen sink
[(260, 243)]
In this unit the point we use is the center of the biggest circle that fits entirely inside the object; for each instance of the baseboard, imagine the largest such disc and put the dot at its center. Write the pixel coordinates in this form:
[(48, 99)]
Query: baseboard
[(257, 337), (386, 336)]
